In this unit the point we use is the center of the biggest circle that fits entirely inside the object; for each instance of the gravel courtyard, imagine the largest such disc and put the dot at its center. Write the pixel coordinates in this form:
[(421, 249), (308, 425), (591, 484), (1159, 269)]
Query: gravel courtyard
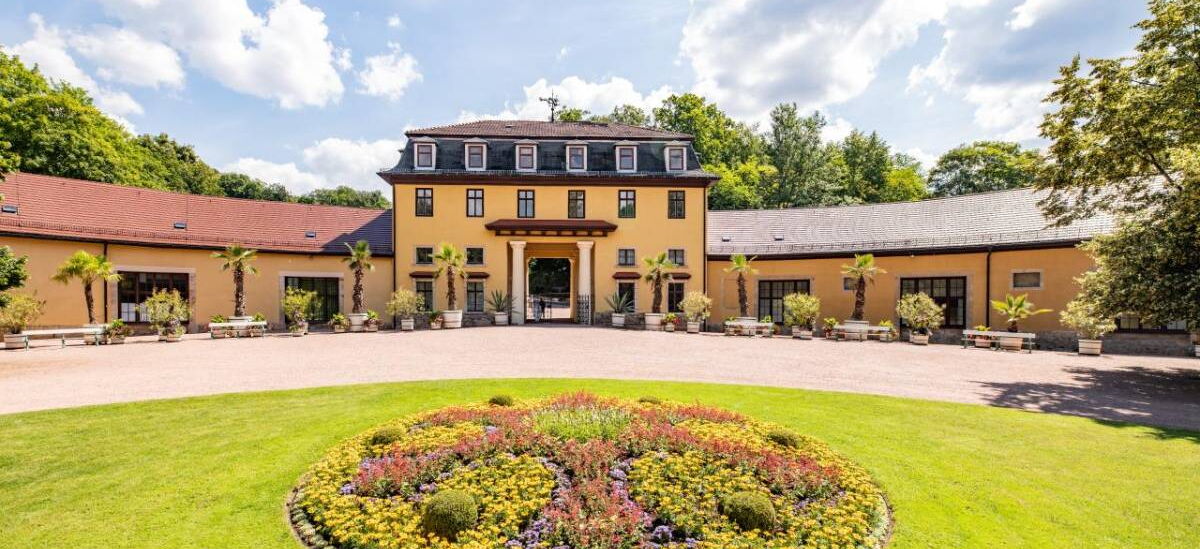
[(1150, 390)]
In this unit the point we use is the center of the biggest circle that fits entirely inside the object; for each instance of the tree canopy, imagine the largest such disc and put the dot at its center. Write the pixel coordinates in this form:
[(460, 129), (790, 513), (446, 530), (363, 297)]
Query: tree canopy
[(983, 166)]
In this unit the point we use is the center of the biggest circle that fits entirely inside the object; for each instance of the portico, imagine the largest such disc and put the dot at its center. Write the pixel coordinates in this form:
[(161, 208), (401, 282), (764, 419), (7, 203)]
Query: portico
[(534, 291)]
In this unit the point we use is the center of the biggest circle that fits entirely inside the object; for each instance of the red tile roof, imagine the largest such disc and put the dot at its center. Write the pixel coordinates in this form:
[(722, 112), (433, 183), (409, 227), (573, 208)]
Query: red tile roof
[(74, 209), (538, 129)]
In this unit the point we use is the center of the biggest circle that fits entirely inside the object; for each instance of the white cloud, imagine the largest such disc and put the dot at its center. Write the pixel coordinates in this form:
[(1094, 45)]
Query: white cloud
[(48, 49), (343, 61), (927, 160), (837, 129), (284, 56), (124, 56), (575, 92), (1012, 109), (563, 52), (1030, 11), (327, 163), (394, 22), (389, 74)]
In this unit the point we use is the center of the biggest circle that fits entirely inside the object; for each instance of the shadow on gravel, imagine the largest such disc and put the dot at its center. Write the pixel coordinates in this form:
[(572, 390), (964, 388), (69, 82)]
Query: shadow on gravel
[(1167, 399)]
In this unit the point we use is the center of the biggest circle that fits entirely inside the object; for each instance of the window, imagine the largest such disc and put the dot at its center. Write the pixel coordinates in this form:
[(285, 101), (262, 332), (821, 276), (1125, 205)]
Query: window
[(674, 296), (424, 255), (1131, 323), (675, 255), (576, 158), (627, 159), (474, 256), (848, 284), (525, 203), (770, 296), (675, 159), (576, 204), (625, 257), (328, 299), (424, 206), (627, 203), (474, 202), (424, 157), (476, 156), (135, 288), (527, 157), (474, 297), (424, 288), (948, 291), (675, 205), (1027, 281), (629, 290)]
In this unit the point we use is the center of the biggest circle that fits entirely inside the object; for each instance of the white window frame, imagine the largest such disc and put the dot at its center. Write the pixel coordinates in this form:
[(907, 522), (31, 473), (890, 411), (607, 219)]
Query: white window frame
[(417, 144), (1012, 279), (577, 145), (617, 151), (517, 156), (467, 154), (682, 156)]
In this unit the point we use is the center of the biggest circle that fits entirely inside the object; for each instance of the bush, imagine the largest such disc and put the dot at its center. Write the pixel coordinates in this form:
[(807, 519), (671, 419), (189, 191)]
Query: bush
[(405, 303), (1083, 317), (387, 435), (449, 512), (650, 399), (19, 311), (696, 306), (297, 305), (749, 510), (583, 423), (502, 400), (920, 312), (801, 309), (784, 437)]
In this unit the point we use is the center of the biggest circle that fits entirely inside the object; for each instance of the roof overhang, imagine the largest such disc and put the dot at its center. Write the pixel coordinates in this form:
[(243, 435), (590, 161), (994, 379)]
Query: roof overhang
[(556, 179), (551, 227)]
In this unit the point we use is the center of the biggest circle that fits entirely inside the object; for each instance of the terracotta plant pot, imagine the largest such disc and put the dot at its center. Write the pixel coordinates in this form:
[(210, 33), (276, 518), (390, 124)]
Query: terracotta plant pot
[(983, 342), (1011, 343), (371, 327), (1089, 347), (452, 319), (500, 319), (800, 332), (693, 327), (654, 321), (618, 320), (407, 324), (918, 339)]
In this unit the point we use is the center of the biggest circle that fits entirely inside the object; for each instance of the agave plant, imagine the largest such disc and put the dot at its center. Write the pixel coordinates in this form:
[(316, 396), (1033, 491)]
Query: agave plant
[(620, 303), (740, 265), (1016, 308)]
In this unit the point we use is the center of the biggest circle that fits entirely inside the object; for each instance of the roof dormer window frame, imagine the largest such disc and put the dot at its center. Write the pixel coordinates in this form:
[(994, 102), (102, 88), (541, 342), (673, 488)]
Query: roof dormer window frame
[(419, 144), (621, 146), (671, 147), (577, 145), (469, 144), (522, 145)]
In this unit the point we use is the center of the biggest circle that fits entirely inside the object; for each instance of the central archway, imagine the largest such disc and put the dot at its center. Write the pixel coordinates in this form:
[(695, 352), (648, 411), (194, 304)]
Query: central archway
[(550, 290)]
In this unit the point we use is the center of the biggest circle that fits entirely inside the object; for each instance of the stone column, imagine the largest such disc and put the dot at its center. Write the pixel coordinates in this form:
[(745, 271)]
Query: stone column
[(518, 282), (584, 292)]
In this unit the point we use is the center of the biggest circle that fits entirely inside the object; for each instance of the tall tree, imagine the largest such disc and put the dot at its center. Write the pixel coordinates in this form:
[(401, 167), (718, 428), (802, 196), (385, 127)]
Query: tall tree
[(739, 185), (983, 166), (177, 166), (12, 272), (237, 185), (572, 114), (359, 261), (904, 181), (867, 160), (626, 114), (806, 172), (237, 259), (717, 138), (347, 196), (88, 269)]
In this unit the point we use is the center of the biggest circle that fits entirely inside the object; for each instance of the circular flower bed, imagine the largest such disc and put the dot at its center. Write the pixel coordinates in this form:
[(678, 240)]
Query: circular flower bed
[(584, 472)]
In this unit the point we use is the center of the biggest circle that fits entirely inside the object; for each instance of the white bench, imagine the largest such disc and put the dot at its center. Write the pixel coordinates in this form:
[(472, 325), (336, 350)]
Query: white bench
[(862, 331), (1027, 339), (63, 333), (236, 327), (748, 327)]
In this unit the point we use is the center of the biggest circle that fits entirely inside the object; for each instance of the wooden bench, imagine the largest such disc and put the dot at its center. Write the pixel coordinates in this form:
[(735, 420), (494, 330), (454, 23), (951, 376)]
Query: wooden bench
[(236, 327), (63, 333), (748, 327), (1028, 340)]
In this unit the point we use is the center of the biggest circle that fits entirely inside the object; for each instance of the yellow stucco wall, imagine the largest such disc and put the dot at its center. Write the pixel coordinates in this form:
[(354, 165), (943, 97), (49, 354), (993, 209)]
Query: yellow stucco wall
[(211, 288), (651, 232)]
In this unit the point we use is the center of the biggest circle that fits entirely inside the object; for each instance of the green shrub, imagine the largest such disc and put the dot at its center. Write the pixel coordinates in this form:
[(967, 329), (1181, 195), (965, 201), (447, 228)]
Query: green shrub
[(749, 510), (582, 424), (449, 512), (650, 399), (502, 400), (387, 435), (784, 437)]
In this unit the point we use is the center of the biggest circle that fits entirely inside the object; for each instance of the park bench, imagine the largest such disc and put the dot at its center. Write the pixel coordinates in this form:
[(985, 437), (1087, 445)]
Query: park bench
[(746, 326), (1027, 339), (63, 333), (248, 327), (861, 331)]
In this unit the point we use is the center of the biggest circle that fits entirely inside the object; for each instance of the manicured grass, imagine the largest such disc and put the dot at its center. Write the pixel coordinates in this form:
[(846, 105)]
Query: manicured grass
[(213, 471)]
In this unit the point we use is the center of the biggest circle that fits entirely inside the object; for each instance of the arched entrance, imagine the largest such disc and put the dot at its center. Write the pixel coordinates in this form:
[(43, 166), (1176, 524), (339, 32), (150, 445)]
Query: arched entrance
[(550, 290)]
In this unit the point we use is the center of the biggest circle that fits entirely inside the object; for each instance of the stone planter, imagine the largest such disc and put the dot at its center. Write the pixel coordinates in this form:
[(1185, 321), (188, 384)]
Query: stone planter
[(983, 342), (693, 327), (654, 321), (799, 332), (173, 337), (618, 320), (918, 339), (241, 319), (452, 319), (89, 339), (339, 329), (500, 319), (1011, 343), (1089, 347), (859, 335), (357, 321), (16, 341), (669, 327), (371, 326), (116, 340), (407, 324)]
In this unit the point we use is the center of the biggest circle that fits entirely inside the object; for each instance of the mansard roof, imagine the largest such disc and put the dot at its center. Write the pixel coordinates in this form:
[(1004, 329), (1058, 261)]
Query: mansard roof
[(538, 129)]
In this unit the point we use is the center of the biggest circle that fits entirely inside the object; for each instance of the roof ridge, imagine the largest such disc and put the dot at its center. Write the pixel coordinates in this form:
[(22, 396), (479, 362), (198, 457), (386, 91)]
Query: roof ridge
[(878, 204)]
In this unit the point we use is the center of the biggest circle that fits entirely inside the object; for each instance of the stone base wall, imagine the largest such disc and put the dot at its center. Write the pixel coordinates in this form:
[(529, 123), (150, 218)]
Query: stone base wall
[(1066, 340), (633, 321)]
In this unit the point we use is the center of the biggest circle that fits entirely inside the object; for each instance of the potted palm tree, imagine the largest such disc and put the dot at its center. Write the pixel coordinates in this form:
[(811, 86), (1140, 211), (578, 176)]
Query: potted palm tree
[(500, 303), (18, 312), (88, 269), (800, 311), (697, 307), (339, 323), (921, 315), (359, 261), (452, 263), (371, 322), (862, 271), (1087, 321), (741, 266), (656, 275), (405, 304), (297, 304), (621, 305), (117, 331), (1015, 309), (237, 259)]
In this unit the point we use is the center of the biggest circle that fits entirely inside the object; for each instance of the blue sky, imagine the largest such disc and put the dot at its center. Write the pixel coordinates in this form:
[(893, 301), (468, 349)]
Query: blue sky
[(317, 93)]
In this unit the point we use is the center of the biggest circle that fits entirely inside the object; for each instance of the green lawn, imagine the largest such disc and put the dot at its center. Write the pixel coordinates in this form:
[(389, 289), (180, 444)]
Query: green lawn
[(212, 472)]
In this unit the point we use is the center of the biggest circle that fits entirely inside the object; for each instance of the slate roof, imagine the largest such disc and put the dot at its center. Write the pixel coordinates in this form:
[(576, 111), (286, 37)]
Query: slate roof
[(539, 129), (59, 207), (1001, 219)]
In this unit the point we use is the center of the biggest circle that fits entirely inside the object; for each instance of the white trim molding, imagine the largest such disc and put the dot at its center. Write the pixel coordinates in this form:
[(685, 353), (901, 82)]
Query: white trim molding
[(517, 156), (473, 143), (577, 145), (618, 147), (418, 144), (682, 157)]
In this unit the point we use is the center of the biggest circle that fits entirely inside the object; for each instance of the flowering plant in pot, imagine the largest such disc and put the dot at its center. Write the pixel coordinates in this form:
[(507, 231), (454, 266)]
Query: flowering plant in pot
[(218, 331), (890, 334), (500, 303), (982, 341), (697, 307), (436, 320), (258, 331), (370, 321), (669, 321), (1016, 309), (1086, 320), (116, 332), (297, 304), (339, 323), (800, 311), (922, 316), (770, 322), (18, 312), (405, 304), (827, 326), (621, 304)]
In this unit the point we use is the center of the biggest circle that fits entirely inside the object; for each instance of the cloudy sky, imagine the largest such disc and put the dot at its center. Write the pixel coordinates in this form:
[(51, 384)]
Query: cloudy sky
[(316, 93)]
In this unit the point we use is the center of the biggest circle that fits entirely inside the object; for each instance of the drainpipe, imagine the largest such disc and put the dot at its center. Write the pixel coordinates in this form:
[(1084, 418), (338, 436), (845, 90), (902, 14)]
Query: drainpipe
[(987, 290), (104, 309)]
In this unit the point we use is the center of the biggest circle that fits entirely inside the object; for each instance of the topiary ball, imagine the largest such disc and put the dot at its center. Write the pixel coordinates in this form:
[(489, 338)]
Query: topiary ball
[(649, 399), (502, 400), (449, 512), (784, 437), (387, 435), (749, 510)]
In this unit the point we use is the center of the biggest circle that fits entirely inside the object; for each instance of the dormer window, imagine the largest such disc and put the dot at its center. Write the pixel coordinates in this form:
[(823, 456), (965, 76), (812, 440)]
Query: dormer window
[(676, 161), (527, 157), (424, 156), (626, 158), (577, 158), (476, 157)]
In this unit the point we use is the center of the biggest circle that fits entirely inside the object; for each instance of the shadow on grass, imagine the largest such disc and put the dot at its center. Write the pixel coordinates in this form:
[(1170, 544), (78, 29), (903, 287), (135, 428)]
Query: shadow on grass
[(1165, 399)]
